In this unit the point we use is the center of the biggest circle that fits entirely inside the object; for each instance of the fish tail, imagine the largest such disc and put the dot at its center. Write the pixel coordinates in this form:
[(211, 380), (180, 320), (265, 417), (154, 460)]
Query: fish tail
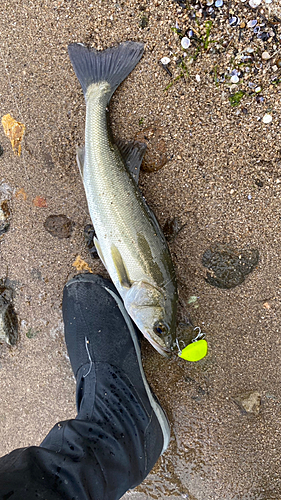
[(112, 65)]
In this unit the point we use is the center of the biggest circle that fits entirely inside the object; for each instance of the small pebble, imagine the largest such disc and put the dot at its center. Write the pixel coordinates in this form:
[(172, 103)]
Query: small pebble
[(267, 118), (249, 196), (254, 3), (234, 79), (252, 24), (274, 68), (263, 36), (218, 3), (198, 78), (260, 99), (258, 89), (4, 216), (165, 60), (185, 42), (209, 2), (265, 55)]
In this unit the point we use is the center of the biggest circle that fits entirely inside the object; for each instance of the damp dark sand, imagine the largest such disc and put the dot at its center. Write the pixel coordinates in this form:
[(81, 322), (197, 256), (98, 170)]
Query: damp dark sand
[(222, 179)]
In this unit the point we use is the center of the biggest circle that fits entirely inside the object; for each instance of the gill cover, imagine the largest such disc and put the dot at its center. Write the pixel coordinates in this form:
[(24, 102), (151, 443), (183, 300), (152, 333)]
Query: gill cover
[(146, 306)]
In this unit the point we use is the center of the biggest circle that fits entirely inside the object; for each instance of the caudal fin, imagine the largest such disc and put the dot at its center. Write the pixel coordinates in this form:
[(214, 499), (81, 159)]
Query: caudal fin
[(111, 65)]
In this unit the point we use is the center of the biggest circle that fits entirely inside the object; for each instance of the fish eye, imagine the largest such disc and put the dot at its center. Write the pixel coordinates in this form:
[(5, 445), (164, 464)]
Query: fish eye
[(160, 328)]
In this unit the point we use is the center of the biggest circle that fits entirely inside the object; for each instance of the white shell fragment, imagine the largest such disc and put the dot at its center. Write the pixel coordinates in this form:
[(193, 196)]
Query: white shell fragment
[(234, 79), (209, 2), (198, 78), (218, 3), (254, 3), (265, 56), (234, 21), (185, 42), (165, 60), (252, 23), (258, 89), (267, 118)]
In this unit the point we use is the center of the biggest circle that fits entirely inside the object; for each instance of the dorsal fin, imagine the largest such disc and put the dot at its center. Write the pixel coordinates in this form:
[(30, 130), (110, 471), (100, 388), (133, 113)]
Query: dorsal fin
[(132, 154)]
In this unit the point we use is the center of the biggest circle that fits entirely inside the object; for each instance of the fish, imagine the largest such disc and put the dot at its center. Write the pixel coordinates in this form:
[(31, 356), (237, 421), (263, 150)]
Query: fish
[(129, 240)]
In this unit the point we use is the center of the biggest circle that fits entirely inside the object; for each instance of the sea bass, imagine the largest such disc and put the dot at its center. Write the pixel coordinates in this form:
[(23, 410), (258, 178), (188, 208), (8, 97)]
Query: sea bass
[(129, 240)]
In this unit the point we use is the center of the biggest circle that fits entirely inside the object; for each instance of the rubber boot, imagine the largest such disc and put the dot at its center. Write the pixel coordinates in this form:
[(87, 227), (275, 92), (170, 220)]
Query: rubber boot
[(120, 430), (129, 429)]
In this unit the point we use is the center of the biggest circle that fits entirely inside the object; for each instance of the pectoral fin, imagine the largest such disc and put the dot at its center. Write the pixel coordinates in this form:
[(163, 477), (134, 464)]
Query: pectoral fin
[(100, 254), (120, 267)]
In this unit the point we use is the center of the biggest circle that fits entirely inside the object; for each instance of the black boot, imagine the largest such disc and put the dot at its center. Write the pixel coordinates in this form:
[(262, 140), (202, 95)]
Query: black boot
[(120, 430), (129, 429)]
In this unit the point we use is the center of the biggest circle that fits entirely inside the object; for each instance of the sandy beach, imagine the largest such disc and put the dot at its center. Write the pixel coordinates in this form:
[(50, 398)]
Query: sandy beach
[(204, 123)]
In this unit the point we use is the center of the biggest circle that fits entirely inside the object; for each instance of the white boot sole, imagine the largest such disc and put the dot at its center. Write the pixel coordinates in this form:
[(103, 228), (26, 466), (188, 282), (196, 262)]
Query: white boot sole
[(159, 412)]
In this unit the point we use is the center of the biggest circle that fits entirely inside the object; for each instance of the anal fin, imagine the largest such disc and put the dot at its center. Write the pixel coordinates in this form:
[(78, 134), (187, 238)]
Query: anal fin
[(80, 158)]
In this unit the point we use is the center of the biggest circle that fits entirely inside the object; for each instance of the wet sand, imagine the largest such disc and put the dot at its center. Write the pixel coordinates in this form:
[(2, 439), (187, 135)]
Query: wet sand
[(222, 179)]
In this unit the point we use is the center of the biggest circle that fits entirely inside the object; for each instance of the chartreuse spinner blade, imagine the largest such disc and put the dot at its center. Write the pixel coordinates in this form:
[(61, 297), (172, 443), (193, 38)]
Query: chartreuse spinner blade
[(196, 350)]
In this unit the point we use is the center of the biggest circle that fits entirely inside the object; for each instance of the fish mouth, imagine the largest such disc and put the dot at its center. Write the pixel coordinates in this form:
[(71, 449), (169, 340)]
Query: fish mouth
[(164, 351)]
